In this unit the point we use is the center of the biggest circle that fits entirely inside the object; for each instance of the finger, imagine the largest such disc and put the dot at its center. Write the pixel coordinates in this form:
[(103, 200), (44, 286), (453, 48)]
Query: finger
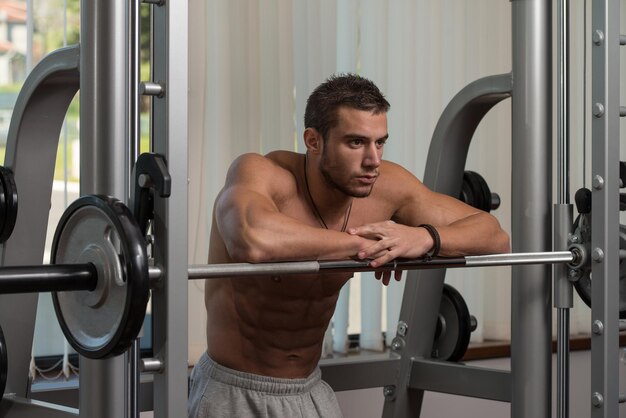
[(383, 259), (397, 274), (373, 230), (386, 278), (379, 254), (363, 230), (373, 251), (378, 274), (378, 249)]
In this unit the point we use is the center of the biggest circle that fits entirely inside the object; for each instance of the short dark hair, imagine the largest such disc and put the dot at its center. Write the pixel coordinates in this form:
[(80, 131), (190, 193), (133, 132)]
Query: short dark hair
[(348, 90)]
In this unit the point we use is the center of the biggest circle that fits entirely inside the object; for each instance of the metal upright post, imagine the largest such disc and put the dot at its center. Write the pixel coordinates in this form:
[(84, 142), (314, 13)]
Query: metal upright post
[(563, 289), (134, 145), (104, 105), (169, 135), (605, 123), (531, 195), (104, 164)]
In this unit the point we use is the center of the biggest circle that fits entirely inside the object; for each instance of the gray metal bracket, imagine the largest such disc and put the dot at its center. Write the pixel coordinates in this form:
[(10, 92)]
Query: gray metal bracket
[(31, 153), (359, 372), (16, 407), (444, 173), (459, 379)]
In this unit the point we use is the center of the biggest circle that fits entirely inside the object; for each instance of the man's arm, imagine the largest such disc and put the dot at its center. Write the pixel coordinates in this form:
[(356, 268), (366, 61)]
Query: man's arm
[(253, 228), (463, 230)]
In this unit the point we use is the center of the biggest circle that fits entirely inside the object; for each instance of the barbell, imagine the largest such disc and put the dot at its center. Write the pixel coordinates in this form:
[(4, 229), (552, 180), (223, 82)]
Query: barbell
[(213, 271), (101, 279)]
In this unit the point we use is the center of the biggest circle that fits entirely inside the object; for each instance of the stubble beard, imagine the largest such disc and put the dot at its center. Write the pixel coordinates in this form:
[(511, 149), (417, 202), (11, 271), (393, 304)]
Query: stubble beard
[(338, 186)]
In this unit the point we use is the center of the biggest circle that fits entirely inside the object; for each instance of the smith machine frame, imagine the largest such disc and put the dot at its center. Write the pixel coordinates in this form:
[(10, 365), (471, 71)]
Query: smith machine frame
[(105, 69)]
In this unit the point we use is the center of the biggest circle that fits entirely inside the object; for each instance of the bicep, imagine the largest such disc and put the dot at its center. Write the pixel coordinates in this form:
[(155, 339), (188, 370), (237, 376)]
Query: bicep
[(240, 207), (247, 194)]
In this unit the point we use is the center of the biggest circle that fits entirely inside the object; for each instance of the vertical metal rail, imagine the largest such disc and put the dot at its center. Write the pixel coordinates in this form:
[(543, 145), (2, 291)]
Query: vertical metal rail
[(134, 356), (531, 194), (134, 145), (563, 302), (104, 165), (563, 107), (169, 136), (134, 74), (605, 32), (563, 292)]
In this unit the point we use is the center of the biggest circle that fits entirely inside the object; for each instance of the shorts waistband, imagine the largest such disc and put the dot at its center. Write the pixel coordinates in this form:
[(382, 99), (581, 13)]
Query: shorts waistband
[(255, 382)]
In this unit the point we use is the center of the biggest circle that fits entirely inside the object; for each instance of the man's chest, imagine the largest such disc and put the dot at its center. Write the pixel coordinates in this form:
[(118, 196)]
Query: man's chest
[(363, 211)]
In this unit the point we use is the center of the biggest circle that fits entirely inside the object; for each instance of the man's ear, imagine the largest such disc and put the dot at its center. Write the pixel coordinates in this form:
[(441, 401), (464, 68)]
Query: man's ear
[(313, 141)]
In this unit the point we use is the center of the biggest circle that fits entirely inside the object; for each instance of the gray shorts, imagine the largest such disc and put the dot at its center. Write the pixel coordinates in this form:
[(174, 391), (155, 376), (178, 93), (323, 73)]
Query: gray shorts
[(216, 391)]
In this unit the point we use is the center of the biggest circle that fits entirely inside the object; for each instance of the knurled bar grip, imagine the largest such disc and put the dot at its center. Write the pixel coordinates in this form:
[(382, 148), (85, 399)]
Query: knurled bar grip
[(213, 271)]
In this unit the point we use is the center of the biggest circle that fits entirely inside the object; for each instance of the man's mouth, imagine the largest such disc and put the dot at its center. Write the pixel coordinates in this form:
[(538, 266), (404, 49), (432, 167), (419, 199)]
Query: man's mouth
[(367, 179)]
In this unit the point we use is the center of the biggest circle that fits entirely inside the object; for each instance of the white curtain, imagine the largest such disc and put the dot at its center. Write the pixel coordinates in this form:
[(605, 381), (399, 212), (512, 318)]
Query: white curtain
[(252, 68)]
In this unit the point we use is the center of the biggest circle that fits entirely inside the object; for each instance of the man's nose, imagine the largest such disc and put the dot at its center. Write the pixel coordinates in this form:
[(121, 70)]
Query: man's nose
[(372, 156)]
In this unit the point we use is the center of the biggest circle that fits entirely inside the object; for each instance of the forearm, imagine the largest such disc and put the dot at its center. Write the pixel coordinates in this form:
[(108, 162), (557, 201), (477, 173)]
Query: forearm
[(475, 234), (275, 237), (479, 233)]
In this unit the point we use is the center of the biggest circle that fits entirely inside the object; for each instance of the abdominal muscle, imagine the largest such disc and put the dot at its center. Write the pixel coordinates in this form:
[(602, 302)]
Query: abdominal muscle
[(272, 326)]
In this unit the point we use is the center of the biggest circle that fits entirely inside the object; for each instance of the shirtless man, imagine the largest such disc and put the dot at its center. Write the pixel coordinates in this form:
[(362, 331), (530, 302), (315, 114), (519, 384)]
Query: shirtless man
[(340, 200)]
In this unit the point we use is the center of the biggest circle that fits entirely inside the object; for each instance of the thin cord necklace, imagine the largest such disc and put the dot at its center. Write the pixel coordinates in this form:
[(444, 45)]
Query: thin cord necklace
[(317, 212)]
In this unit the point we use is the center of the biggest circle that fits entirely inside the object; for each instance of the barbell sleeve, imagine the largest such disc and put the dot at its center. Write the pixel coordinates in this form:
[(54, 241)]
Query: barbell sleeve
[(512, 259), (48, 278), (212, 271)]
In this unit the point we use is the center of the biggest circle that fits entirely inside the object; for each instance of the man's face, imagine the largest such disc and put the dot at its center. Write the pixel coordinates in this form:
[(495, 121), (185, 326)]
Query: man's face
[(353, 151)]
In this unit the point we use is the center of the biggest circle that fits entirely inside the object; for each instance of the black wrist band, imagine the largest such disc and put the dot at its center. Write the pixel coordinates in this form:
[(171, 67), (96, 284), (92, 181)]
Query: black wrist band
[(436, 240)]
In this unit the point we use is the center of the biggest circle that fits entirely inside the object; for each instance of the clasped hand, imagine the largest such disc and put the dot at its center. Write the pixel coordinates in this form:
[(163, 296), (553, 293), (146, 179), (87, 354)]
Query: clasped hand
[(392, 241)]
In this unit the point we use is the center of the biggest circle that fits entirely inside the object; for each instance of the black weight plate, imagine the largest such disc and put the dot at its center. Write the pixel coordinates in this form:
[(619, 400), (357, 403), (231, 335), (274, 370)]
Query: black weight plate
[(474, 184), (583, 285), (467, 194), (482, 194), (456, 327), (475, 191), (4, 209), (4, 363), (104, 322), (485, 192), (8, 203)]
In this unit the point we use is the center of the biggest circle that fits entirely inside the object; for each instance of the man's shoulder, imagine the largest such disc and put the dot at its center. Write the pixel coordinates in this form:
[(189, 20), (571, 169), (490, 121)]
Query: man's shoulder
[(393, 173), (274, 161), (284, 158), (397, 186), (274, 158), (276, 169)]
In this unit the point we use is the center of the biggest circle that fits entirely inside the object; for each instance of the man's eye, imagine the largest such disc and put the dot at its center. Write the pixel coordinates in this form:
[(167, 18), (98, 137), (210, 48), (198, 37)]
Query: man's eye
[(356, 142)]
